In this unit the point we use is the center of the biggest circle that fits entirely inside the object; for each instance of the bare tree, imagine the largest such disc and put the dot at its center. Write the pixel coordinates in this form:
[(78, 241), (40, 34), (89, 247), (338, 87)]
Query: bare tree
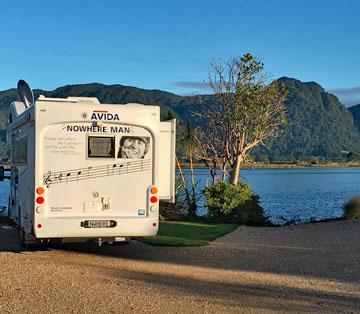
[(248, 110), (211, 138)]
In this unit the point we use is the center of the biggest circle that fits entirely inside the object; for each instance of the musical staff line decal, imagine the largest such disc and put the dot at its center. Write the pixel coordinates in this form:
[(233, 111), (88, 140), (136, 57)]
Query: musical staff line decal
[(75, 175)]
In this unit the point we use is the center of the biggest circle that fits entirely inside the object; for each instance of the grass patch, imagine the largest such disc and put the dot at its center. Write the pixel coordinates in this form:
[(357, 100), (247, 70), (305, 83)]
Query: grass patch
[(184, 233)]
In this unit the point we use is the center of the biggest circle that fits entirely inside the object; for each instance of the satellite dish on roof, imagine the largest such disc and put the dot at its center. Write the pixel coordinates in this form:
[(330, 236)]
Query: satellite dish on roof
[(25, 93)]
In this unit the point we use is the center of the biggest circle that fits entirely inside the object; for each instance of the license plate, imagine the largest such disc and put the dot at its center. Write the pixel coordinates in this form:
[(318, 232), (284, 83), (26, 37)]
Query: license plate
[(98, 223)]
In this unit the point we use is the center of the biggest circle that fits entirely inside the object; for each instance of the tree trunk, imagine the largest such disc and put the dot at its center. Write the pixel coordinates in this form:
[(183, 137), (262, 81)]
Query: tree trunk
[(212, 170), (192, 206), (183, 182), (213, 173), (192, 172), (213, 176), (223, 177), (236, 171)]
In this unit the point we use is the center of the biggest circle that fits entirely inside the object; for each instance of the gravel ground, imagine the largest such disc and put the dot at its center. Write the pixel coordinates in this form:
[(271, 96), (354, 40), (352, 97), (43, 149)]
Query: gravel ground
[(310, 268)]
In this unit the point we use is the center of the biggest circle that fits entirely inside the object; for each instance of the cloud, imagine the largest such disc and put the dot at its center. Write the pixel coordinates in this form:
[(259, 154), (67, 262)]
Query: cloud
[(193, 85), (348, 96)]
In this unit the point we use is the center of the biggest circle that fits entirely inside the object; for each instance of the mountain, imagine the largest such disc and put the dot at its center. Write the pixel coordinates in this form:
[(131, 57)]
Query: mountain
[(110, 94), (355, 111), (319, 125)]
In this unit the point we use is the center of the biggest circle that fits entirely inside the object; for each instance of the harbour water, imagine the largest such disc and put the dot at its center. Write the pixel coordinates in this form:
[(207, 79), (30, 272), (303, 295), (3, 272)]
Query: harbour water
[(297, 193), (292, 193)]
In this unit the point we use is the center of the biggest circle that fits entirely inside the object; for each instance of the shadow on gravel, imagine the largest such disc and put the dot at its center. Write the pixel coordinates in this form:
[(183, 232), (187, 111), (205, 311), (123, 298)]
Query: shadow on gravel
[(321, 251), (10, 242), (328, 250), (266, 297)]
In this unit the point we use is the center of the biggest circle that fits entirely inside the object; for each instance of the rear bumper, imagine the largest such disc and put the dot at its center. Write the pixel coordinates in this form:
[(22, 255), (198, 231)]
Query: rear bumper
[(71, 228)]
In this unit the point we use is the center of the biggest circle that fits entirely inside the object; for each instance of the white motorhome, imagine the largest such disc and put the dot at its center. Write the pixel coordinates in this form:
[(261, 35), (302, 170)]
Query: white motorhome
[(85, 170)]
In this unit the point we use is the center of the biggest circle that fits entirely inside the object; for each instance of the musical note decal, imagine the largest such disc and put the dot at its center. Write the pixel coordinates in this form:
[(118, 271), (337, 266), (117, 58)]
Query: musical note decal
[(59, 177), (47, 178), (51, 178)]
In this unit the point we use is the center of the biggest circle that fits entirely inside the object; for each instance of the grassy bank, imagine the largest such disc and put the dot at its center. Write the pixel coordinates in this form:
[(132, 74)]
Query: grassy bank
[(183, 233)]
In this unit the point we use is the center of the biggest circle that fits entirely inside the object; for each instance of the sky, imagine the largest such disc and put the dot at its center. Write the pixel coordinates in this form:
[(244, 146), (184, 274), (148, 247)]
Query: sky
[(168, 45)]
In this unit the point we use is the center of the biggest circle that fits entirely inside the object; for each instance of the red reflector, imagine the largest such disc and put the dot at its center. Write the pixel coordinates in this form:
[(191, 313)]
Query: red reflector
[(154, 224), (39, 225), (153, 199), (40, 200)]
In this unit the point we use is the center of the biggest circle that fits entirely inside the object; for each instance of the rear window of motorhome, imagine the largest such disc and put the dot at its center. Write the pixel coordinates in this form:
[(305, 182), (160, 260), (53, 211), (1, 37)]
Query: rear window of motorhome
[(101, 147)]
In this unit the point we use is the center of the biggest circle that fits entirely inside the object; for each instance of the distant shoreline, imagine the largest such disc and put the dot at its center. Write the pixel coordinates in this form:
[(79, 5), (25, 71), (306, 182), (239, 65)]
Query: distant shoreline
[(301, 165), (284, 165)]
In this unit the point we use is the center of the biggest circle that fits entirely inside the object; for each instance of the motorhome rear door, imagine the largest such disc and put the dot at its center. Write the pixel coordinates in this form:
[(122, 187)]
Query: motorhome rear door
[(167, 160)]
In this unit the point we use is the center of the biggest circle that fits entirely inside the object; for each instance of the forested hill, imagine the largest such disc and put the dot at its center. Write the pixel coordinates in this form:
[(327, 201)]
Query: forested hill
[(355, 111), (111, 94), (319, 125)]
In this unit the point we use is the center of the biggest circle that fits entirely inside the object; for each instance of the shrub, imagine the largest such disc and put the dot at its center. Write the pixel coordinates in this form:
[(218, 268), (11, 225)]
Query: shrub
[(352, 208), (234, 203)]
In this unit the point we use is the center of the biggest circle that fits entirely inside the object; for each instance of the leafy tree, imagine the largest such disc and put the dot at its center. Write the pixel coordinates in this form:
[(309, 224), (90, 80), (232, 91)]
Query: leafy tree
[(247, 111)]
